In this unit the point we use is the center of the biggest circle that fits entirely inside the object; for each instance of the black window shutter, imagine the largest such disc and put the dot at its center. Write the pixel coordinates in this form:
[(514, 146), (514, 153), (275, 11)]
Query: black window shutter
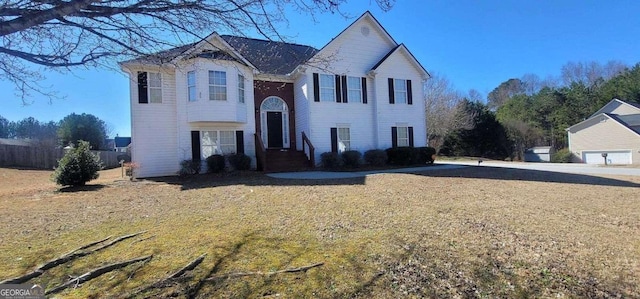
[(345, 95), (195, 145), (334, 140), (143, 98), (392, 99), (410, 129), (338, 89), (240, 142), (409, 93), (364, 90), (316, 87), (394, 136)]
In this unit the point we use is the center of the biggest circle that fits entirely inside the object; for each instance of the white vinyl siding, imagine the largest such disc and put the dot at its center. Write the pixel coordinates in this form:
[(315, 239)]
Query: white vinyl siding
[(354, 87), (240, 89), (191, 86), (327, 88), (155, 87), (344, 139), (403, 136), (217, 86), (217, 142), (400, 91)]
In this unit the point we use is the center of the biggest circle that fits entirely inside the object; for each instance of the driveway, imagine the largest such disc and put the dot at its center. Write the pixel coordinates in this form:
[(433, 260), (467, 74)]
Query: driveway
[(554, 167)]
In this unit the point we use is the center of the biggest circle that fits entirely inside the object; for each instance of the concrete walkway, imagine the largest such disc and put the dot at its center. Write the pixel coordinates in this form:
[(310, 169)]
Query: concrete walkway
[(553, 167), (325, 175)]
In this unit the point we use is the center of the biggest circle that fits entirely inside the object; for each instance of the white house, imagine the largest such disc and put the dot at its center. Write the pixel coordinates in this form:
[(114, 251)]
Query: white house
[(228, 94), (611, 134)]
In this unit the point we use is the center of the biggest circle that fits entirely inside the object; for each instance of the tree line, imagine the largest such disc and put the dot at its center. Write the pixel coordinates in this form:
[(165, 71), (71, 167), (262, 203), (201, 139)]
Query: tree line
[(68, 131), (524, 112)]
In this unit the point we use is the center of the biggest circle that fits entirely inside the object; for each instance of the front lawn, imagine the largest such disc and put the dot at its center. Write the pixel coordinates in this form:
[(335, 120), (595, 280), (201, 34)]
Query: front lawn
[(472, 232)]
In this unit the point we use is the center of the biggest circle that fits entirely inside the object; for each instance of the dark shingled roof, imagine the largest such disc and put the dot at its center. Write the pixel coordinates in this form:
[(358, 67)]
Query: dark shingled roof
[(122, 141), (271, 57)]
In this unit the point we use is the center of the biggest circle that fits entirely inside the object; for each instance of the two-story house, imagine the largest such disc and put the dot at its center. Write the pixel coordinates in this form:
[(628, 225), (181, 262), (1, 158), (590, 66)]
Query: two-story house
[(229, 94)]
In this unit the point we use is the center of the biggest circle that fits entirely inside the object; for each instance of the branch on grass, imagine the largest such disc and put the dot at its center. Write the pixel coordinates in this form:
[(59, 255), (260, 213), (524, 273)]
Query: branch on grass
[(96, 273), (72, 255), (163, 282), (243, 274)]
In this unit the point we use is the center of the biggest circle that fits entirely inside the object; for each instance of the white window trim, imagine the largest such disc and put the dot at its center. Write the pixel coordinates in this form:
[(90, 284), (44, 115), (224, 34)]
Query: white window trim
[(194, 86), (241, 89), (359, 90), (217, 146), (341, 145), (150, 88), (404, 139), (323, 90), (212, 95), (404, 99)]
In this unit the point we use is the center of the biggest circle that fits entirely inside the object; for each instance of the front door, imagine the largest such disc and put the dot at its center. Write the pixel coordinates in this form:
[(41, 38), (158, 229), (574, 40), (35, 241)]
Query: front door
[(274, 129)]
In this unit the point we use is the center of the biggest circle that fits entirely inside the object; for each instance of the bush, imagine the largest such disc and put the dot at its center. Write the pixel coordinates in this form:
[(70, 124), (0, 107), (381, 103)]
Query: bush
[(375, 157), (78, 166), (561, 156), (215, 163), (402, 156), (425, 155), (240, 161), (351, 159), (331, 160), (189, 167)]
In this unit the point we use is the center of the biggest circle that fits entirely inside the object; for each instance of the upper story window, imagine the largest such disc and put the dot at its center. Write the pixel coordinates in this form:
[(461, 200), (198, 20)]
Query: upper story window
[(149, 87), (217, 86), (327, 88), (240, 88), (400, 91), (191, 85), (354, 89)]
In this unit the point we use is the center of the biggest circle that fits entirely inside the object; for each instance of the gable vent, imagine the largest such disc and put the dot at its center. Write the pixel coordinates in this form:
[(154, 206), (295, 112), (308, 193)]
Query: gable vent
[(364, 30)]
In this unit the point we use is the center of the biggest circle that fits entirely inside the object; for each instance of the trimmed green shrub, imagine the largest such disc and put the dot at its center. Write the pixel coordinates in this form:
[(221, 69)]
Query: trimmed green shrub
[(78, 166), (402, 156), (189, 167), (330, 160), (215, 163), (351, 159), (425, 155), (376, 157), (240, 161), (561, 156)]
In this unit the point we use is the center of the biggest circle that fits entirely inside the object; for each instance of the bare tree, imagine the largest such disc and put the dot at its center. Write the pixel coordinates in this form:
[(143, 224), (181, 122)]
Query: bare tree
[(62, 34), (442, 104), (590, 73)]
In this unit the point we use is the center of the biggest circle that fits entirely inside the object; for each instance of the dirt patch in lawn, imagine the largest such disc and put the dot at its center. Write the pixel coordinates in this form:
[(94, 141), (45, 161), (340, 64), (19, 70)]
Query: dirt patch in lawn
[(471, 232)]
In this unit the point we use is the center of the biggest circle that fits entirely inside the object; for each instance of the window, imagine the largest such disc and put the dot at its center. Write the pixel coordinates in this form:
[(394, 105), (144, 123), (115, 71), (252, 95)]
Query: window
[(354, 89), (400, 91), (191, 85), (217, 86), (327, 88), (403, 136), (217, 142), (344, 139), (149, 87), (240, 88)]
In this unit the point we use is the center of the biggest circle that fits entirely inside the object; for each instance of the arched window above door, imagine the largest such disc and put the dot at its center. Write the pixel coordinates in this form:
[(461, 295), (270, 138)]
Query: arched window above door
[(273, 104)]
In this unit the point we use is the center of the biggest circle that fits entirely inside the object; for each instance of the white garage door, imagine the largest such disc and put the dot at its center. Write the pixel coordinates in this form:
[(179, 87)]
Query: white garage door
[(613, 157)]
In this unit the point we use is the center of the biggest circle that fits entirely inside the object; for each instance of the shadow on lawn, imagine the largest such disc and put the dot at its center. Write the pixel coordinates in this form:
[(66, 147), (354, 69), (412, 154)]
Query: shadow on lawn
[(513, 174), (92, 187)]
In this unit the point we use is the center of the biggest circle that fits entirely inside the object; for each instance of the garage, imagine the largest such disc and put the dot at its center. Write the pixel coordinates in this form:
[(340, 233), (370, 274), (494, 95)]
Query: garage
[(613, 157)]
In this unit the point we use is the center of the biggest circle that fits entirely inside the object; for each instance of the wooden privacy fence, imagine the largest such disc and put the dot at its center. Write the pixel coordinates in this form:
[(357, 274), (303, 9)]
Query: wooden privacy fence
[(44, 157)]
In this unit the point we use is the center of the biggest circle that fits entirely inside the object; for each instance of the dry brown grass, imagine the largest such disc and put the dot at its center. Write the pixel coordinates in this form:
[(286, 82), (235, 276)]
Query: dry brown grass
[(473, 232)]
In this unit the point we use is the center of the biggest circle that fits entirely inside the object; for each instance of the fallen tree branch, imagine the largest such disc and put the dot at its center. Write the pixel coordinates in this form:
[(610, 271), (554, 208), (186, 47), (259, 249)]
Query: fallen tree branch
[(143, 239), (71, 255), (243, 274), (96, 273), (161, 283)]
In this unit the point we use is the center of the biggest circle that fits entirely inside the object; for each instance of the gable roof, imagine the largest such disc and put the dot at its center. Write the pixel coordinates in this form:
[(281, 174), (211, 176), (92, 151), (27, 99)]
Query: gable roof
[(122, 141), (613, 102), (271, 57), (402, 47), (615, 118)]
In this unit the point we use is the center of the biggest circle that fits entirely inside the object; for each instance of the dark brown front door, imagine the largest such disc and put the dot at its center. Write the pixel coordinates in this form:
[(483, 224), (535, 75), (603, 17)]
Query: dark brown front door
[(274, 129)]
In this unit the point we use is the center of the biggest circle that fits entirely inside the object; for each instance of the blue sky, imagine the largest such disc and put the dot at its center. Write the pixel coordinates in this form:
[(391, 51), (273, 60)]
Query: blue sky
[(475, 44)]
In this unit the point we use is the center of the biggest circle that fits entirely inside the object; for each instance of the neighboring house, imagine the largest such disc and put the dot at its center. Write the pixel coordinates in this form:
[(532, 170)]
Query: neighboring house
[(613, 130), (538, 154), (121, 144), (229, 94)]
